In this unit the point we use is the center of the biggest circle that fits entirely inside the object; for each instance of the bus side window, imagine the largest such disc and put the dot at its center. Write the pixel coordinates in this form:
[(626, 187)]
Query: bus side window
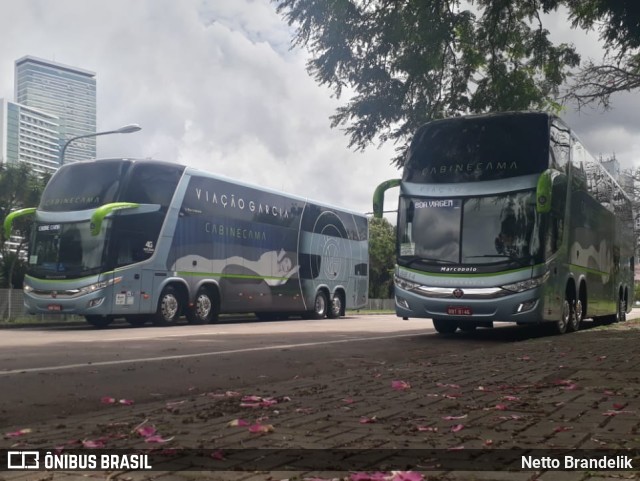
[(555, 224)]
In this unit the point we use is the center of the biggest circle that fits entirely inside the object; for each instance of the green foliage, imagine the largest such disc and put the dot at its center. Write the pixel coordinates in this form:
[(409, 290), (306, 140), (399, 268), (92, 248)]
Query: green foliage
[(382, 243), (410, 61), (19, 187)]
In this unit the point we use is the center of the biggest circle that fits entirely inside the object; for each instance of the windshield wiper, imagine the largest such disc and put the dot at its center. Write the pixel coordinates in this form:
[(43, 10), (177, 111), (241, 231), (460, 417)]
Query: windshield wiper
[(412, 259)]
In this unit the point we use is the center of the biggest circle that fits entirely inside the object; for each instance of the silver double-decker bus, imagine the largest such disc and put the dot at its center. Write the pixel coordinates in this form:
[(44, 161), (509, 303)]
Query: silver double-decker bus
[(507, 218), (151, 241)]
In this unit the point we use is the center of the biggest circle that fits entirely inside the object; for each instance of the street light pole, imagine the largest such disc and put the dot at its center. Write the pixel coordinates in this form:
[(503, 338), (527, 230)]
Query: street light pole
[(127, 129)]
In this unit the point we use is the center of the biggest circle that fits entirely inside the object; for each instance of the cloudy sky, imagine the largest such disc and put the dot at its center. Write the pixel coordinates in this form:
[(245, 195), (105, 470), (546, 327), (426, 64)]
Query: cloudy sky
[(215, 85)]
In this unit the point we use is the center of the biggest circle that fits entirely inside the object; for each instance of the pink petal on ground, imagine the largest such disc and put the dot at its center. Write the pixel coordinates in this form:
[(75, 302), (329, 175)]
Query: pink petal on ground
[(430, 429), (601, 358), (265, 403), (501, 407), (146, 431), (453, 395), (452, 386), (107, 400), (250, 399), (457, 427), (406, 476), (618, 406), (608, 392), (305, 410), (456, 448), (559, 429), (98, 443), (508, 418), (453, 418), (488, 442), (524, 358), (238, 422), (511, 398), (615, 413), (481, 388), (218, 455), (261, 428), (400, 385), (232, 394), (377, 476), (367, 420), (20, 432), (157, 439), (348, 400), (126, 402)]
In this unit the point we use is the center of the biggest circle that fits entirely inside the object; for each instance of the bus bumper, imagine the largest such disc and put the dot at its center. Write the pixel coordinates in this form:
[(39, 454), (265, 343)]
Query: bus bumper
[(520, 307)]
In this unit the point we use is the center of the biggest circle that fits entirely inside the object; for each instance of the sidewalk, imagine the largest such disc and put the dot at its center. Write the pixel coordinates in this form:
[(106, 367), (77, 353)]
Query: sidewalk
[(576, 391)]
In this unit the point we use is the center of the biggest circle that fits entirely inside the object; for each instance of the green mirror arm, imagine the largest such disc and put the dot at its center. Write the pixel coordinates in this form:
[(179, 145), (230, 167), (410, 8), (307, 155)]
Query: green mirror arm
[(8, 221), (543, 191), (104, 210), (378, 196)]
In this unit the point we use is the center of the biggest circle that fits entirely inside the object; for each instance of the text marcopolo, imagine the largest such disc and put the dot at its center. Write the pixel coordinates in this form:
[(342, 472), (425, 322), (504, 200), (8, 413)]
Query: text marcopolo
[(575, 462)]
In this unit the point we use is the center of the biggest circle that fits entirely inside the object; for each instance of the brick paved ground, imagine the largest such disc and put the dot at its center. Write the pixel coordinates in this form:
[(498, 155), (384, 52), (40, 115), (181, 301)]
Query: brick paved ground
[(577, 391)]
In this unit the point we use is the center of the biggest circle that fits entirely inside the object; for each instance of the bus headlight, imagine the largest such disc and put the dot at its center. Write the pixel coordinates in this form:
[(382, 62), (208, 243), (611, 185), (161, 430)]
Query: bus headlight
[(99, 285), (528, 284), (27, 288), (403, 283)]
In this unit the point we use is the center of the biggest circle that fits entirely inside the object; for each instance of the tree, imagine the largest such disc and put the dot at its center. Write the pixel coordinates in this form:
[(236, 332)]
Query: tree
[(19, 187), (618, 22), (382, 243), (406, 62)]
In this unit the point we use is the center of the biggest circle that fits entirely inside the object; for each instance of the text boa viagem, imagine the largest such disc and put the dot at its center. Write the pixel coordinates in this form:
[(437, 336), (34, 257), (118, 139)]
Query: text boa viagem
[(576, 462)]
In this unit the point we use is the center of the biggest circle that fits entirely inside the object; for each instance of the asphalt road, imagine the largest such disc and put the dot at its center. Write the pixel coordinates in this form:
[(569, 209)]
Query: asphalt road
[(51, 372)]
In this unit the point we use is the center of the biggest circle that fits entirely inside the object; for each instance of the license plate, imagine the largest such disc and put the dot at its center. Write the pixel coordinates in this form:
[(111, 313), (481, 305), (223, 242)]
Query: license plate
[(459, 311), (54, 307)]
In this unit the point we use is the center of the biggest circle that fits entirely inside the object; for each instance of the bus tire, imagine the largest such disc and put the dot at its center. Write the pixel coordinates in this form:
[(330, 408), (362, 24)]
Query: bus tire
[(621, 315), (320, 306), (445, 327), (169, 307), (560, 326), (137, 321), (99, 321), (205, 308), (575, 319), (335, 309)]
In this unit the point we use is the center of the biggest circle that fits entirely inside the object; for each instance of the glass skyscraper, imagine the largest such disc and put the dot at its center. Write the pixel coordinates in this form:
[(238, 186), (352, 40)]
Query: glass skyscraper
[(69, 93), (29, 136)]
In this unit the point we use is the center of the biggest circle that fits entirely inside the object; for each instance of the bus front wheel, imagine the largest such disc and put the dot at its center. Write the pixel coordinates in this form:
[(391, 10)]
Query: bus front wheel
[(445, 327), (169, 307), (99, 321), (560, 326)]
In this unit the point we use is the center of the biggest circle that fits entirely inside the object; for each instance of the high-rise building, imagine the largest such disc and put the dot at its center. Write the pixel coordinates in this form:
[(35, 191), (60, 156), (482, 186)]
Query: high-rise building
[(66, 92), (30, 136)]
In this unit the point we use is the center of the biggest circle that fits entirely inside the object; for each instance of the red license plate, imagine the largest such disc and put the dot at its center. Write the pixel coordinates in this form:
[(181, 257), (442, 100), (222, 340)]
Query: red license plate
[(54, 307), (459, 311)]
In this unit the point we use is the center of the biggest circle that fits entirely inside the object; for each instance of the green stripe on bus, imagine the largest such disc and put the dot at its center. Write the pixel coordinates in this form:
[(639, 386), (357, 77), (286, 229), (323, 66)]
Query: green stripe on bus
[(232, 276), (589, 270)]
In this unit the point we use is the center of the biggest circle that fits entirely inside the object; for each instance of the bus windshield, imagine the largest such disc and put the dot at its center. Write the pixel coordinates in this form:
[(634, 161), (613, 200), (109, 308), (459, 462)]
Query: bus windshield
[(493, 229), (65, 251)]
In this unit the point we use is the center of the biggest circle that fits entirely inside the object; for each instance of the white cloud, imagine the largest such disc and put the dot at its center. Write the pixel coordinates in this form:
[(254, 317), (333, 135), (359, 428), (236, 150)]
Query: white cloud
[(215, 85)]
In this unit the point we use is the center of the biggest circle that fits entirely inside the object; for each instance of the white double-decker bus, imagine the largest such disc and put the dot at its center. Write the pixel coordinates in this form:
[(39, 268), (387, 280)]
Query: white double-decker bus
[(507, 217), (152, 241)]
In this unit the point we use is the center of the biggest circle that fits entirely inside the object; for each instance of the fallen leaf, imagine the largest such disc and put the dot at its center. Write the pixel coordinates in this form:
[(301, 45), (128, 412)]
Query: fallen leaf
[(348, 400), (261, 428), (453, 418), (367, 420), (430, 429), (456, 448), (405, 476), (400, 385), (501, 407), (157, 439), (488, 442), (107, 400), (98, 443), (126, 402), (237, 422), (218, 455), (457, 427), (618, 406), (146, 431), (559, 429), (20, 432), (511, 398)]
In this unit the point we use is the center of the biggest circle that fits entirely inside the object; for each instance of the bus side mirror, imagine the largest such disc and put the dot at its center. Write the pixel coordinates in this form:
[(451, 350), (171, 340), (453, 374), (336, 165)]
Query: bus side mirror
[(8, 221), (378, 196), (104, 210)]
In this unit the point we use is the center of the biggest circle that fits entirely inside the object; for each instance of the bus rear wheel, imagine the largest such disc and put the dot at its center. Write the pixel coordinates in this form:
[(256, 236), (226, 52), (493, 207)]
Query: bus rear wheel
[(575, 319), (335, 309), (204, 309), (622, 310), (445, 327), (169, 307), (99, 321)]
